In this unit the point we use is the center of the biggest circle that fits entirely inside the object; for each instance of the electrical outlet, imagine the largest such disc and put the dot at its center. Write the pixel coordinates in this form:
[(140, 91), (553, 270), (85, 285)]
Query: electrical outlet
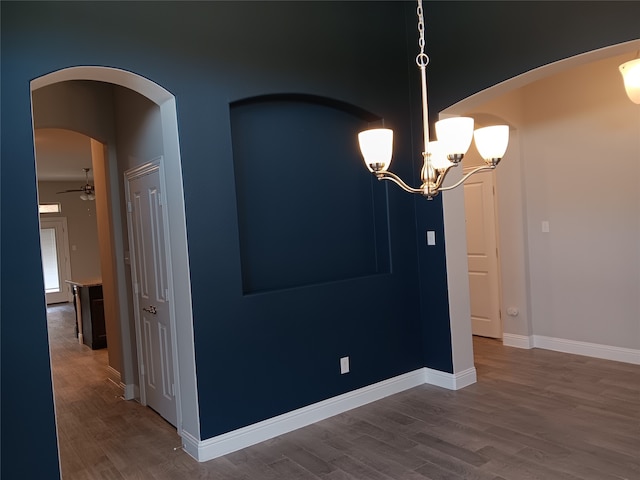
[(344, 365), (431, 237)]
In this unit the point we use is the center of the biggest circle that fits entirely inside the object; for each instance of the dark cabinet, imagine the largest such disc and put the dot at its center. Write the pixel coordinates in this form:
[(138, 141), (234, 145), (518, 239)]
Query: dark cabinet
[(90, 314)]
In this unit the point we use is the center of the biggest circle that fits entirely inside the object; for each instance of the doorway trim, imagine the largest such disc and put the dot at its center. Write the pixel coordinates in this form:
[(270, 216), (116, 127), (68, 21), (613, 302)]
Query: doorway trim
[(189, 412)]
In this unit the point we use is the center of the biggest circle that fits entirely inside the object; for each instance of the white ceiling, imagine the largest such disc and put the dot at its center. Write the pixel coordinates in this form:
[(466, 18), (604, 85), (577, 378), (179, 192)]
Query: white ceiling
[(62, 154)]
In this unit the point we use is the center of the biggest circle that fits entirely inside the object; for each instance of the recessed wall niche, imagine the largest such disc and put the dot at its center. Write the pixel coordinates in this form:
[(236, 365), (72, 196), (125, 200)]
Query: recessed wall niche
[(293, 230)]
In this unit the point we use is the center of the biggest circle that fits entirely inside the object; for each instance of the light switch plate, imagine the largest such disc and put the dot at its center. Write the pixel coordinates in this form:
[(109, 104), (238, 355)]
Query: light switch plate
[(431, 237)]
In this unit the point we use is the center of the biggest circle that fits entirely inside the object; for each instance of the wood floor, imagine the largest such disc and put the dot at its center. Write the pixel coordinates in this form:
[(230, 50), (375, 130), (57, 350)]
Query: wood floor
[(533, 414)]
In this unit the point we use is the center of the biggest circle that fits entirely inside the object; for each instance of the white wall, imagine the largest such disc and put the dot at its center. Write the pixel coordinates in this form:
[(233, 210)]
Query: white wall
[(574, 161), (581, 151)]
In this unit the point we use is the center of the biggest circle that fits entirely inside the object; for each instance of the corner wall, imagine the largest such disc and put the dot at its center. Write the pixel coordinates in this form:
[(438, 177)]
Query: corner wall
[(581, 149)]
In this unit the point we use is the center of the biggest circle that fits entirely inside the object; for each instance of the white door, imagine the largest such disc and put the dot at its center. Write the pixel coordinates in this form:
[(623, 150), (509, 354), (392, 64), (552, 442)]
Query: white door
[(149, 265), (56, 268), (482, 255)]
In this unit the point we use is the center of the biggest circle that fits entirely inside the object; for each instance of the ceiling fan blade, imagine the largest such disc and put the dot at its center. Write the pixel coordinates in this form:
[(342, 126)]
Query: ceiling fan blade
[(71, 191)]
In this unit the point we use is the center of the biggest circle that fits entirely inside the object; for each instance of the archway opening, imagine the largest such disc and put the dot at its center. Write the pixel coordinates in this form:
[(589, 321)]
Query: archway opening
[(88, 122)]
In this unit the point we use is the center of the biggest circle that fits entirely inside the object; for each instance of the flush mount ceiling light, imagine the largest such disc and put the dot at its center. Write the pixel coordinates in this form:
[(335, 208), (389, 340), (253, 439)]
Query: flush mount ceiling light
[(454, 139), (631, 75)]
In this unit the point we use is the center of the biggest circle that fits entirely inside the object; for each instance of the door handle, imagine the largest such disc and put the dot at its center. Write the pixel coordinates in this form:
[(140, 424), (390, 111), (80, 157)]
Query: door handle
[(152, 310)]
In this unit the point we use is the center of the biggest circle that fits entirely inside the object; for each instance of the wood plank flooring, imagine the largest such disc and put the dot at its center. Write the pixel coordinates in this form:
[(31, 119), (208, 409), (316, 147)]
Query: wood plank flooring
[(533, 415)]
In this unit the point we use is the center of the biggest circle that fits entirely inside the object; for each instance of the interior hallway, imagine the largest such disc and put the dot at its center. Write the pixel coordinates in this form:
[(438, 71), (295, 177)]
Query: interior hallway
[(533, 414)]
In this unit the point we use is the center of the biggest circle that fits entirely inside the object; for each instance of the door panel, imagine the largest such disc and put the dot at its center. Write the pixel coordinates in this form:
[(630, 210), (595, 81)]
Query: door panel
[(146, 228), (482, 255)]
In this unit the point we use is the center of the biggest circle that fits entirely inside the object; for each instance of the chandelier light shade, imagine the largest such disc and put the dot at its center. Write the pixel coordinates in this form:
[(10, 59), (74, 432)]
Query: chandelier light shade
[(454, 139), (455, 135), (439, 159), (631, 75), (492, 142), (376, 146)]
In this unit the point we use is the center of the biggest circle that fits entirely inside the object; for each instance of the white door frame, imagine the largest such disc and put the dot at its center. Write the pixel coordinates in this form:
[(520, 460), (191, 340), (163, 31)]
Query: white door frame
[(129, 176), (62, 246)]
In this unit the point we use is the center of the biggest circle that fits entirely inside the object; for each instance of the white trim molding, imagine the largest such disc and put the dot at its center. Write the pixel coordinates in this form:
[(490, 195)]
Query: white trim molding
[(451, 381), (606, 352), (128, 390), (595, 350), (518, 341), (204, 450)]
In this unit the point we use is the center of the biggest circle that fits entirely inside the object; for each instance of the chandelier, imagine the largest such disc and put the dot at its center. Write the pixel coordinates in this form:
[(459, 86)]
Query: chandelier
[(454, 139)]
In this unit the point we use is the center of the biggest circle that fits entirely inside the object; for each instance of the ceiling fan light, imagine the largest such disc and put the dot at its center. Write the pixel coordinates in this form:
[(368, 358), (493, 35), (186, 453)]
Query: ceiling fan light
[(376, 146), (631, 75), (455, 134), (492, 141)]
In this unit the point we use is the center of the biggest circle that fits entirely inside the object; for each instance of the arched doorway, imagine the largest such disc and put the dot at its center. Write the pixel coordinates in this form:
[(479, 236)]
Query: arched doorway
[(523, 333), (184, 366)]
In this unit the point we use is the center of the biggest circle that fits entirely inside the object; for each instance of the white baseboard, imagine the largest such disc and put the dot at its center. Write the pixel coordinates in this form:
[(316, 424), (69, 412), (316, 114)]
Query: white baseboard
[(130, 391), (204, 450), (606, 352), (451, 381), (518, 341), (113, 374), (595, 350)]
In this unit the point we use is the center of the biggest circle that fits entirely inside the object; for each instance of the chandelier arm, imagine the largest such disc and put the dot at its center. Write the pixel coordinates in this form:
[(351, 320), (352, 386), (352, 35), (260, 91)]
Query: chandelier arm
[(440, 175), (397, 180), (463, 179)]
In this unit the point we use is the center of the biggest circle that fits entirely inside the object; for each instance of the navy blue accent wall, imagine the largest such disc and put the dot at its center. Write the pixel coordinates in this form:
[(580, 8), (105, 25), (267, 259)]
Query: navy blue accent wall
[(266, 353), (261, 348)]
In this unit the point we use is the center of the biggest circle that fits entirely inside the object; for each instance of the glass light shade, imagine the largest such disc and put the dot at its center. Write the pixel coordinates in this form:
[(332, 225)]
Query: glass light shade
[(439, 159), (455, 134), (492, 142), (631, 75), (376, 146)]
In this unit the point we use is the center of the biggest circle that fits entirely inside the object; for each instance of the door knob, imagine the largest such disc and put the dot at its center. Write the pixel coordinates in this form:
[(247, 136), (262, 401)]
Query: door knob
[(152, 310)]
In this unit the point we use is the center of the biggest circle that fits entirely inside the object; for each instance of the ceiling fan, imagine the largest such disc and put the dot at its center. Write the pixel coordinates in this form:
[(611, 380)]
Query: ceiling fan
[(88, 190)]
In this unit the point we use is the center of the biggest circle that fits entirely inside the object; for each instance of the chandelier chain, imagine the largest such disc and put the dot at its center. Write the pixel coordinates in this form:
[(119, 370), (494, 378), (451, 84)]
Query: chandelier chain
[(422, 59)]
